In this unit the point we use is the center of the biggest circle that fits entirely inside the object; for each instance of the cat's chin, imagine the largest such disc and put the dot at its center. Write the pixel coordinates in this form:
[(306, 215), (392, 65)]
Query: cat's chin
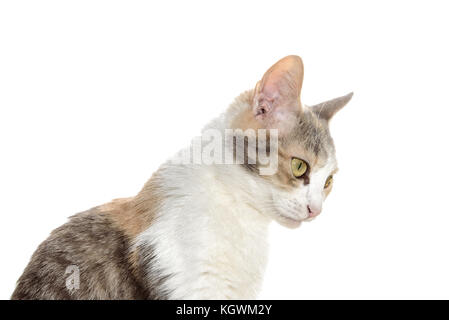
[(288, 222)]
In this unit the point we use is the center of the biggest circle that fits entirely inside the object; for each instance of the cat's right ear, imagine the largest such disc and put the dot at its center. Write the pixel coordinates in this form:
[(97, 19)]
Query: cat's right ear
[(277, 95), (326, 110)]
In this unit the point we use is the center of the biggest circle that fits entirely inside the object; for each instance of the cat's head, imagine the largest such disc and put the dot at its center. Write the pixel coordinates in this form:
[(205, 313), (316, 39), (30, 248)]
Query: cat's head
[(306, 153)]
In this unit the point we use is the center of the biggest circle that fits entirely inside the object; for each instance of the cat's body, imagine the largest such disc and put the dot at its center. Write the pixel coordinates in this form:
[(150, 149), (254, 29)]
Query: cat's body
[(195, 231)]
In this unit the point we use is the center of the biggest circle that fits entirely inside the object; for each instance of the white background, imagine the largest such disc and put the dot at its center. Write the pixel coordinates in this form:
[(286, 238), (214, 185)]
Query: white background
[(95, 95)]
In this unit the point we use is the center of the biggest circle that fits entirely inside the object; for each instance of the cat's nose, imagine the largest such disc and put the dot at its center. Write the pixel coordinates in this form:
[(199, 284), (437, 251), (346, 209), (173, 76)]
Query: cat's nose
[(313, 210)]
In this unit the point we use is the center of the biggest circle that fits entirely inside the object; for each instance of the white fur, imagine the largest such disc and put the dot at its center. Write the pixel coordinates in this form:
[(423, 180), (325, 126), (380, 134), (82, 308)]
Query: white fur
[(211, 242), (210, 235)]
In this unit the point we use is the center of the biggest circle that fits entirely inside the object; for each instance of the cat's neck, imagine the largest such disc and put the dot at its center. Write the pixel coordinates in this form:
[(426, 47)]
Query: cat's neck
[(206, 230), (210, 187)]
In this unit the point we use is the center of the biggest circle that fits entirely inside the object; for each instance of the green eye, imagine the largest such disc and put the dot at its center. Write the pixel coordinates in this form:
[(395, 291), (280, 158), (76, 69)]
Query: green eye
[(299, 167), (329, 181)]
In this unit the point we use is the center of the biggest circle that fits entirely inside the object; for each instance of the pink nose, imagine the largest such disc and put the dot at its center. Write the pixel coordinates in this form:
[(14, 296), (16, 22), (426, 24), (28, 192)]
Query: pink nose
[(313, 211)]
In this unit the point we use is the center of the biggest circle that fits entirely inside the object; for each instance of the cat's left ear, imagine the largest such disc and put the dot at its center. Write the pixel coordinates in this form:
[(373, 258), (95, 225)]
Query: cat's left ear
[(277, 96), (326, 110)]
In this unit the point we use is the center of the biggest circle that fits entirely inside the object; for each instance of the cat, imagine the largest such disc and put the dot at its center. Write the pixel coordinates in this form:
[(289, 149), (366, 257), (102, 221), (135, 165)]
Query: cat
[(195, 230)]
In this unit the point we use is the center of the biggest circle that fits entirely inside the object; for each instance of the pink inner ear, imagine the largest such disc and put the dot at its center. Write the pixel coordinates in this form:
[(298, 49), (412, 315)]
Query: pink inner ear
[(280, 87), (271, 89)]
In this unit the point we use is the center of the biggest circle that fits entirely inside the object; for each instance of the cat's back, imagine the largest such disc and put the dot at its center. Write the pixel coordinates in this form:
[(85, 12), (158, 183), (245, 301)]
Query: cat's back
[(87, 258)]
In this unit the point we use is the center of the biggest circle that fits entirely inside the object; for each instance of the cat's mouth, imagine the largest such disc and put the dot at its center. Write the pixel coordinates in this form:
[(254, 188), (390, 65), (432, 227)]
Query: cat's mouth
[(293, 222), (289, 214)]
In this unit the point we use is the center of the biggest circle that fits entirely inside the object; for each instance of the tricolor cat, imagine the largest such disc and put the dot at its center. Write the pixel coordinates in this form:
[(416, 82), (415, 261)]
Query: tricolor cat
[(199, 230)]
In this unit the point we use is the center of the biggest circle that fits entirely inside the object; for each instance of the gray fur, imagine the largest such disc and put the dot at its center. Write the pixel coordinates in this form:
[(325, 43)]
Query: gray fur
[(312, 133), (102, 254), (327, 109)]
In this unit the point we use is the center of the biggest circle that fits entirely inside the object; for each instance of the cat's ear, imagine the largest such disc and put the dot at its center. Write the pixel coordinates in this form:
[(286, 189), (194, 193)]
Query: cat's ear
[(278, 93), (326, 110)]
